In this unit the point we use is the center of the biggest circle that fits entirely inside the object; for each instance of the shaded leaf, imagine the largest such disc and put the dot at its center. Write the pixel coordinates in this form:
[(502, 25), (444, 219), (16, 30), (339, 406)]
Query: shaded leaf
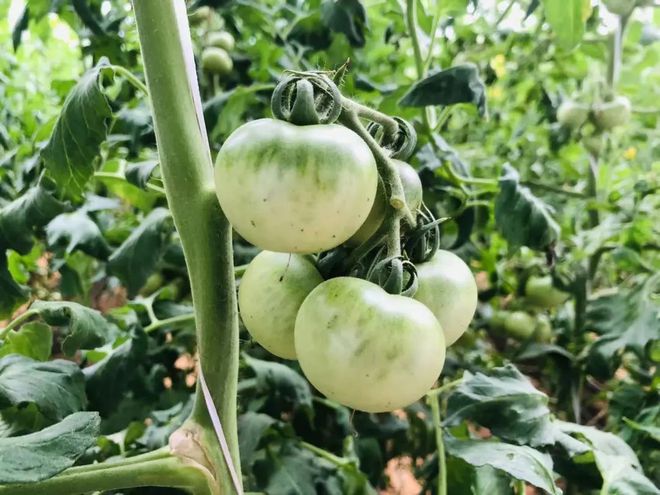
[(12, 295), (138, 255), (459, 84), (42, 455), (32, 210), (138, 174), (521, 462), (85, 328), (77, 231), (505, 402), (346, 16), (251, 427), (34, 340), (80, 130), (56, 387), (522, 218)]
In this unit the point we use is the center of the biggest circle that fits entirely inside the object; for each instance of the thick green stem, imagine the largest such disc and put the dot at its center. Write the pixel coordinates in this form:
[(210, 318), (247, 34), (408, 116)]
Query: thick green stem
[(389, 124), (154, 469), (204, 230)]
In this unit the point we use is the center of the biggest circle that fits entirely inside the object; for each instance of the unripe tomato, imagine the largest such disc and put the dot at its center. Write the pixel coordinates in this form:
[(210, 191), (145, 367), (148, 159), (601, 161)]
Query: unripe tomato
[(271, 291), (620, 7), (221, 39), (543, 329), (572, 114), (593, 144), (519, 325), (296, 189), (447, 287), (412, 190), (540, 292), (216, 61), (610, 114), (365, 348)]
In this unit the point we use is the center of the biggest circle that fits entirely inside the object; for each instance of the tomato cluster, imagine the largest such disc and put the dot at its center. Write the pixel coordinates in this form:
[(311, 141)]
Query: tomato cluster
[(306, 194)]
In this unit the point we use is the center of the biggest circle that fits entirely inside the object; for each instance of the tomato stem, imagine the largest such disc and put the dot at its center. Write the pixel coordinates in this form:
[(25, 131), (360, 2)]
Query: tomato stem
[(17, 322), (390, 125), (434, 402)]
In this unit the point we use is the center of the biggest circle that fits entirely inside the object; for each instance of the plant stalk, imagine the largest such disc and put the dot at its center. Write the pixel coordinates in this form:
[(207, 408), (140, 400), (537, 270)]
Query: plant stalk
[(434, 401), (204, 230)]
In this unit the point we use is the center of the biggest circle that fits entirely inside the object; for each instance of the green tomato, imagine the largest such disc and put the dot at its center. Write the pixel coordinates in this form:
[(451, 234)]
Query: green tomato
[(296, 189), (620, 7), (271, 291), (447, 287), (221, 39), (200, 15), (365, 348), (519, 325), (610, 114), (543, 329), (412, 190), (572, 114), (540, 292), (216, 61)]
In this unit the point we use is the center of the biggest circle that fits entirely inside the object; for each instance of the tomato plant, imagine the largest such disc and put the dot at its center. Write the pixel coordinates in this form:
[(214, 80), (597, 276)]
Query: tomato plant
[(334, 247)]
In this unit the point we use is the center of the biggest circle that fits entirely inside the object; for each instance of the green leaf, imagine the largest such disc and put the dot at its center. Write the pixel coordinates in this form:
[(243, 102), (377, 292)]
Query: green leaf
[(280, 382), (652, 431), (346, 16), (138, 174), (505, 402), (34, 340), (41, 455), (618, 465), (251, 427), (522, 218), (20, 218), (566, 19), (521, 462), (111, 376), (459, 84), (138, 255), (80, 130), (85, 328), (77, 231), (56, 387), (12, 295), (628, 319)]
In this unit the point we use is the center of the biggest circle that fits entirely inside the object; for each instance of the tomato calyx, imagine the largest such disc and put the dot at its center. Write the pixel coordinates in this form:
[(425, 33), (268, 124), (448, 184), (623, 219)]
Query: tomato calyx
[(424, 241), (306, 98), (399, 145)]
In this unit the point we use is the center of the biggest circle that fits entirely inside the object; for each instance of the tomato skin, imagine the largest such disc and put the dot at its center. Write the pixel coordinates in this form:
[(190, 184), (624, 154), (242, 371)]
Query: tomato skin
[(221, 39), (620, 7), (365, 348), (522, 326), (412, 190), (271, 291), (540, 292), (572, 114), (296, 189), (610, 114), (447, 287), (216, 61)]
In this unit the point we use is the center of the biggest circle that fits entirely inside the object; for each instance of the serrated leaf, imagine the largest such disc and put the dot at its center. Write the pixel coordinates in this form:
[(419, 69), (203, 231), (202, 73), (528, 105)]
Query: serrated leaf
[(56, 387), (138, 255), (85, 328), (505, 402), (32, 210), (77, 231), (80, 130), (346, 16), (459, 84), (34, 340), (138, 174), (566, 19), (521, 462), (42, 455), (522, 218), (628, 319)]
